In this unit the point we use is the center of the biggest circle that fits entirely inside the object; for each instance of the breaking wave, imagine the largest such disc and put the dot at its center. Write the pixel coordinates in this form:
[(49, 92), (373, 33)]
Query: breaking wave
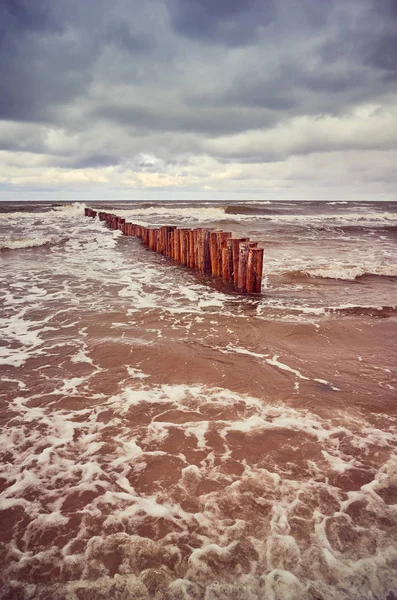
[(370, 311), (249, 209), (21, 244), (345, 272)]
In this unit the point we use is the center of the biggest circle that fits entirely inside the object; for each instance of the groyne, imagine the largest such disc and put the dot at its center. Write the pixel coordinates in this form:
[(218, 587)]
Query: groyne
[(214, 252)]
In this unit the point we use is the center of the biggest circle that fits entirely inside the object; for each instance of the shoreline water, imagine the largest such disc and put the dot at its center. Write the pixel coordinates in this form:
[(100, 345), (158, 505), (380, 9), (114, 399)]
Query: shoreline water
[(165, 440)]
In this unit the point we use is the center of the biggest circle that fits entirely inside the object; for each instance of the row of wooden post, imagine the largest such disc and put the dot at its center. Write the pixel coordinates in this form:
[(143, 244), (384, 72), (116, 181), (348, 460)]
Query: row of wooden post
[(235, 260)]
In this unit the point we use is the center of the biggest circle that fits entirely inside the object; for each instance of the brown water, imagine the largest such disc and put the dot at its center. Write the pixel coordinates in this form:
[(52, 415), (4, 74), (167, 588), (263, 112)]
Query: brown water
[(165, 438)]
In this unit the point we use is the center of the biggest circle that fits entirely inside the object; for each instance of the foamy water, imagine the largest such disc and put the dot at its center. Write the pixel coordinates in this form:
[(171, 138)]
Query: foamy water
[(164, 437)]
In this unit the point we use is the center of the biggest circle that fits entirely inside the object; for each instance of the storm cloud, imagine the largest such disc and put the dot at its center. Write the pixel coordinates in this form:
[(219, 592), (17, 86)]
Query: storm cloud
[(195, 98)]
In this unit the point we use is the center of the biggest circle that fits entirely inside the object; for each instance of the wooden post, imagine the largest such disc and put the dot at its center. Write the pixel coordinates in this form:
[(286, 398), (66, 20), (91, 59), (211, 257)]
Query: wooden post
[(221, 241), (151, 238), (227, 260), (199, 239), (244, 248), (177, 255), (170, 244), (168, 248), (163, 239), (206, 252), (192, 248), (184, 245), (157, 240), (214, 251), (235, 250), (225, 263), (254, 270)]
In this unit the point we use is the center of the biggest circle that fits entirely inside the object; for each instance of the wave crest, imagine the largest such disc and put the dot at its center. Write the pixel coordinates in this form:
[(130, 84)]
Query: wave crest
[(345, 272), (21, 244)]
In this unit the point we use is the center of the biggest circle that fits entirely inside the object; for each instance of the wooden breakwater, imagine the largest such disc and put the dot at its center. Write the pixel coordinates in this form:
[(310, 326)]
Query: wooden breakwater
[(214, 252)]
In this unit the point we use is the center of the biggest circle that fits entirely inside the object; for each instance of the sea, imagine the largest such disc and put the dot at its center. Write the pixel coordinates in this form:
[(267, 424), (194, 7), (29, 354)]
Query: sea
[(166, 437)]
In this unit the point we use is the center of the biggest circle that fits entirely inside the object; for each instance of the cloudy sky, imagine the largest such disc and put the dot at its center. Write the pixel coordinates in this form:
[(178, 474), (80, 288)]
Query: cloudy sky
[(198, 99)]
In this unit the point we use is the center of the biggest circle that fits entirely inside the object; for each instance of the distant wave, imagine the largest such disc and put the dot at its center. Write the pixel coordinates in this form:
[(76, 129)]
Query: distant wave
[(345, 272), (70, 209), (21, 244), (249, 209), (370, 311), (161, 214), (356, 229)]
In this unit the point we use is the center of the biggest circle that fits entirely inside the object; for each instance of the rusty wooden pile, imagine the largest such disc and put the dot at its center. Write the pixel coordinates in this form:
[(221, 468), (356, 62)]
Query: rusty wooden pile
[(236, 260)]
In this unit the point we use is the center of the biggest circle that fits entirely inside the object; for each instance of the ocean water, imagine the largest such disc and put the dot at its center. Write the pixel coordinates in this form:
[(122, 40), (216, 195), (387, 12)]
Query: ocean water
[(164, 437)]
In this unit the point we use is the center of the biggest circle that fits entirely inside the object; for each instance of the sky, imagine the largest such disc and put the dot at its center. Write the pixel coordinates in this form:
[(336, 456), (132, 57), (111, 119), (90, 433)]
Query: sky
[(198, 99)]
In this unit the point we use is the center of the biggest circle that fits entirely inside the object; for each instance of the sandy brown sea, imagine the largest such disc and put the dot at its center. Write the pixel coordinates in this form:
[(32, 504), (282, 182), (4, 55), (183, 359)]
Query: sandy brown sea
[(165, 437)]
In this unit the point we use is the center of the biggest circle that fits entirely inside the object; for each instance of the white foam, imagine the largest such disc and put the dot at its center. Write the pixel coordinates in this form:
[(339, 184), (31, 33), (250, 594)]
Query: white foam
[(351, 272), (81, 357), (173, 215), (74, 209), (74, 460), (137, 373), (17, 244)]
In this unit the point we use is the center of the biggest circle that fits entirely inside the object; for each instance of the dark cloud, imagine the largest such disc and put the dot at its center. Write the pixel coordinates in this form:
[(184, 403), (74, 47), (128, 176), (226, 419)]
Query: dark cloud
[(145, 87), (49, 51), (93, 161), (18, 16), (212, 121), (225, 21)]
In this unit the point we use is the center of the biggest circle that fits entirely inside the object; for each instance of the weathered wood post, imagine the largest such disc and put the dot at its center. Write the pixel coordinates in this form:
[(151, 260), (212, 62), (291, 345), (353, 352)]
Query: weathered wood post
[(163, 239), (221, 242), (214, 251), (235, 251), (192, 248), (199, 240), (254, 270), (150, 238), (244, 248), (157, 240), (184, 245), (168, 247), (227, 260), (206, 263), (170, 244), (177, 245)]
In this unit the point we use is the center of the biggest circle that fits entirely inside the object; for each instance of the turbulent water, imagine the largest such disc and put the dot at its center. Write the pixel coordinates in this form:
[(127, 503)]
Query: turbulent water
[(164, 437)]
